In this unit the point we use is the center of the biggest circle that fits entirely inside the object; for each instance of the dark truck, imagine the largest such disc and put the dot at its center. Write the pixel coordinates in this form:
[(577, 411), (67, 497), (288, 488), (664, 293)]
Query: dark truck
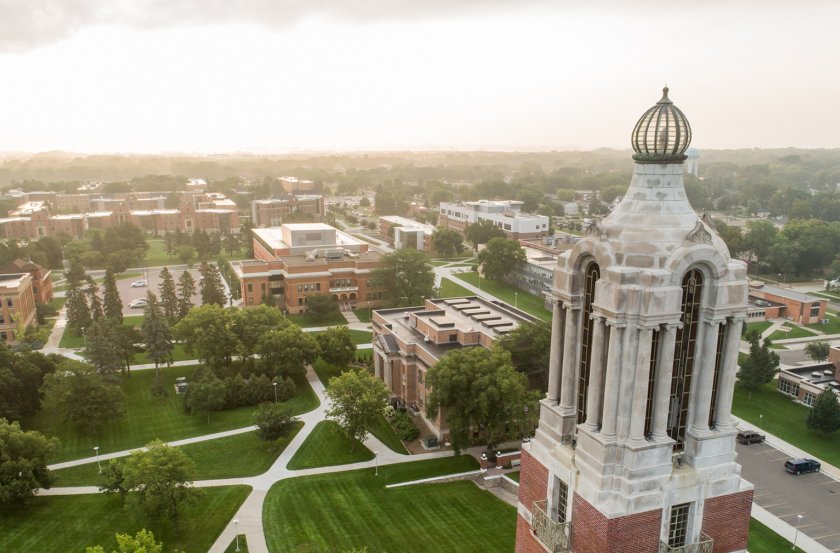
[(800, 466), (749, 437)]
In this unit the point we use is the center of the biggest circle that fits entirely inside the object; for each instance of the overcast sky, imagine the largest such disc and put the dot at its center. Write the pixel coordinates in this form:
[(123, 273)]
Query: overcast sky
[(291, 75)]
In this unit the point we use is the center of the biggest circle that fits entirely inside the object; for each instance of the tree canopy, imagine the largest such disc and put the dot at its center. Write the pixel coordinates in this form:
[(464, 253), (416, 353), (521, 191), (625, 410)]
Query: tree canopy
[(499, 257), (824, 416), (357, 400), (159, 480), (482, 232), (447, 242), (24, 457), (759, 367), (405, 276), (336, 345)]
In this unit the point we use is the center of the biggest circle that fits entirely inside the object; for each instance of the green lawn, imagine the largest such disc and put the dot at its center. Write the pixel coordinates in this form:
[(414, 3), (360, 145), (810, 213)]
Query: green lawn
[(328, 445), (343, 511), (793, 331), (68, 340), (156, 255), (451, 289), (759, 327), (178, 354), (60, 524), (306, 320), (785, 419), (148, 417), (513, 475), (833, 326), (243, 545), (326, 371), (510, 294), (826, 294), (358, 336), (765, 540), (364, 354), (363, 315), (235, 456), (383, 431)]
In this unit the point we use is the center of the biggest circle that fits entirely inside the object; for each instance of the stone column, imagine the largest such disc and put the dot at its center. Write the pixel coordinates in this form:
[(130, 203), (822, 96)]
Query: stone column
[(664, 370), (571, 336), (377, 365), (640, 386), (556, 359), (704, 372), (612, 380), (728, 372), (596, 375), (386, 367)]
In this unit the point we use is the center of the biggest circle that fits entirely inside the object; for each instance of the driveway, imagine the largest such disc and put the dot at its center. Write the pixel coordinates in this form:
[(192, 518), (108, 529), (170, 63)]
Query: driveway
[(815, 496)]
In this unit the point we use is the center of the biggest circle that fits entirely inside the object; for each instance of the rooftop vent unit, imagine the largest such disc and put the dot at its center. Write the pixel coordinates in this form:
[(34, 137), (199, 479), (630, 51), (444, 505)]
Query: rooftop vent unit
[(427, 339), (816, 374), (405, 314), (828, 372)]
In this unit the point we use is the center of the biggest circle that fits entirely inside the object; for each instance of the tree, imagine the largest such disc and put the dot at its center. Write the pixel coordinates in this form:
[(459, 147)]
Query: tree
[(357, 400), (206, 331), (156, 333), (481, 391), (169, 244), (21, 376), (321, 306), (113, 479), (24, 458), (759, 367), (31, 336), (212, 289), (824, 416), (186, 254), (482, 232), (231, 244), (78, 314), (405, 276), (246, 239), (447, 242), (250, 324), (81, 397), (287, 350), (125, 339), (143, 542), (759, 238), (186, 290), (168, 296), (273, 420), (201, 243), (205, 395), (336, 345), (160, 479), (111, 298), (500, 257), (818, 351), (102, 349), (75, 273), (529, 346), (96, 312)]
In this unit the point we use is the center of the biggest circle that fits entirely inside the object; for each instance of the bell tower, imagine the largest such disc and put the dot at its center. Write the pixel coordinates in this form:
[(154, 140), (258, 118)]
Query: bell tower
[(635, 450)]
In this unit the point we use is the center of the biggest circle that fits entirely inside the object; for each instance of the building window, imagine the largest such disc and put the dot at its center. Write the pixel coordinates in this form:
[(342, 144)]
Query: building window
[(684, 351), (716, 377), (9, 303), (593, 273), (300, 288), (678, 525), (815, 309), (250, 287), (561, 498), (453, 337), (788, 387), (300, 302), (654, 358), (808, 399)]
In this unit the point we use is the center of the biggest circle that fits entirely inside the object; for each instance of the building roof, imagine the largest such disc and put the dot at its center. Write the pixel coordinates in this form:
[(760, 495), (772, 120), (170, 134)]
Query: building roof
[(308, 226), (786, 293), (12, 280), (19, 266)]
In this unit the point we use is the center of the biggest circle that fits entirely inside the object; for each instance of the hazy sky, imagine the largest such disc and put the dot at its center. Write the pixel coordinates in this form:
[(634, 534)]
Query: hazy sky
[(288, 75)]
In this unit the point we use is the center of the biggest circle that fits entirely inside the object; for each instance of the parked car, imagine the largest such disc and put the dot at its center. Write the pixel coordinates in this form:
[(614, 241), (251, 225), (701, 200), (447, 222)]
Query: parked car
[(139, 284), (749, 437), (799, 466), (137, 304)]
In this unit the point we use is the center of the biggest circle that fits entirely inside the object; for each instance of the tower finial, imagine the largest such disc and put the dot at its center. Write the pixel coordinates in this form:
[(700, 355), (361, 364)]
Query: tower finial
[(665, 99)]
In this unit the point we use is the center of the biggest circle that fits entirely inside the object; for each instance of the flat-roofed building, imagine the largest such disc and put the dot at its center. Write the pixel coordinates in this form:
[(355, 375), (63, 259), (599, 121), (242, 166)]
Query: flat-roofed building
[(409, 341), (505, 214), (805, 383), (41, 278), (298, 260), (294, 185), (406, 233), (770, 302), (271, 212), (17, 304)]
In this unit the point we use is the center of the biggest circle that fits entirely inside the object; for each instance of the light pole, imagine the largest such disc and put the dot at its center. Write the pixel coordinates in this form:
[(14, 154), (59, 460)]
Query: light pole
[(275, 392), (376, 460), (516, 299), (779, 280), (98, 466), (760, 419), (236, 525), (796, 534)]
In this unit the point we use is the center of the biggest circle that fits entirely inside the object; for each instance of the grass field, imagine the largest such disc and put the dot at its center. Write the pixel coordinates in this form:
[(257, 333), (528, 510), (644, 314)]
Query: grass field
[(785, 419), (70, 523), (792, 331), (833, 326), (328, 445), (513, 475), (765, 540), (148, 417), (451, 289), (243, 545), (358, 336), (759, 327), (363, 314), (343, 511), (235, 456), (306, 320), (510, 294), (826, 294), (156, 255)]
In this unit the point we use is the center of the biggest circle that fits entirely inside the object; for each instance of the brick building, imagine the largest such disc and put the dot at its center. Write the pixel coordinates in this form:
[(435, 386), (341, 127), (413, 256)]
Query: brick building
[(635, 449), (42, 290), (298, 260), (270, 212), (294, 185), (406, 233), (505, 214), (804, 384), (17, 304), (408, 341), (770, 302)]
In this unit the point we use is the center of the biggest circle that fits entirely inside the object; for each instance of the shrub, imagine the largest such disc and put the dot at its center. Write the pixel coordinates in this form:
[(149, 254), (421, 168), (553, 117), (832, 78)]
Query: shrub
[(404, 427), (273, 420)]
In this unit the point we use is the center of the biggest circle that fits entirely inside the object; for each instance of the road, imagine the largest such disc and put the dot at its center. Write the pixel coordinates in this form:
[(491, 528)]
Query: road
[(815, 496)]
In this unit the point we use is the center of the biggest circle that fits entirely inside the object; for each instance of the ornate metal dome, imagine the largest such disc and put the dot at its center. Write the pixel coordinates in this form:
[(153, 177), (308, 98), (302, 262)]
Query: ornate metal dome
[(662, 133)]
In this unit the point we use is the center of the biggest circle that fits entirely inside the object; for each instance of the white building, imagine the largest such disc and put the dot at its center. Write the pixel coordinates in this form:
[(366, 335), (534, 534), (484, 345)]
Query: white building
[(505, 214), (407, 233)]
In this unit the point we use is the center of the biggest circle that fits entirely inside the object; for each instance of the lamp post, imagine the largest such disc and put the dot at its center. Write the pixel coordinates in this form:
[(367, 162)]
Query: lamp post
[(796, 534), (779, 280), (516, 299), (96, 451), (376, 461), (275, 391), (236, 525)]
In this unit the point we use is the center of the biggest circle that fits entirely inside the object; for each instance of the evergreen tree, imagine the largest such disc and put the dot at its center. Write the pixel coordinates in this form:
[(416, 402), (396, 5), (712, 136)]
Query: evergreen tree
[(168, 296), (759, 367), (231, 244), (215, 244), (824, 416), (96, 312), (75, 273), (212, 289), (156, 333), (169, 244), (101, 349), (201, 243), (78, 314), (111, 298), (186, 290)]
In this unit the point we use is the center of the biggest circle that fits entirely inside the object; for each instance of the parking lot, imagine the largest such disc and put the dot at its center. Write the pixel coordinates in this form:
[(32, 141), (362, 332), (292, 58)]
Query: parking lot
[(815, 496), (129, 294)]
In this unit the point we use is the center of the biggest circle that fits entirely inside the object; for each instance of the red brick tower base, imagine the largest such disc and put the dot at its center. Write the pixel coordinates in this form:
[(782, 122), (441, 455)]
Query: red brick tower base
[(726, 519)]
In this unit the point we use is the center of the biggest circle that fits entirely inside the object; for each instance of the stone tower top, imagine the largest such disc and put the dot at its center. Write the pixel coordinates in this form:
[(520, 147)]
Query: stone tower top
[(662, 133)]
